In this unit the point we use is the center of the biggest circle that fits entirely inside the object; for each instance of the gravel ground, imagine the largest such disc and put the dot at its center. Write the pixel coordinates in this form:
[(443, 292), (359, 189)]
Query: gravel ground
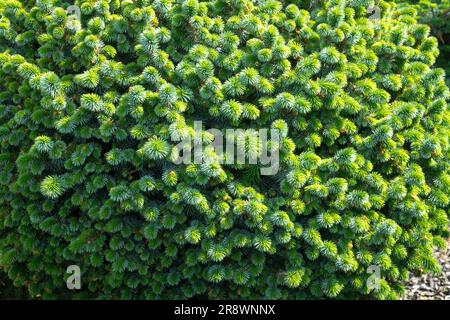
[(429, 287)]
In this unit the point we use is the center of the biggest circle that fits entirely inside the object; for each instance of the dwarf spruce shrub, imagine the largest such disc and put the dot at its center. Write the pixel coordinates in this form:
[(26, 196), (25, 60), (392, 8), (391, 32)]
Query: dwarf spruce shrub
[(93, 105)]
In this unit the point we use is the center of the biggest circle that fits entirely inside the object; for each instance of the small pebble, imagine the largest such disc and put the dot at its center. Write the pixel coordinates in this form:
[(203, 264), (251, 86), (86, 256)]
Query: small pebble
[(431, 287)]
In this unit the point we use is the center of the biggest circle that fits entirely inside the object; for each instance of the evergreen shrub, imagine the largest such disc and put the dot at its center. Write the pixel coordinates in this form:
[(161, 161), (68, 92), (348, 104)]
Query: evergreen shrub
[(436, 14)]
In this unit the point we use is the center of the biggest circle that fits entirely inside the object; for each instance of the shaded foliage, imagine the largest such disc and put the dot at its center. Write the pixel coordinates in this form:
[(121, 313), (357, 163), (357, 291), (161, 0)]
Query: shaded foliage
[(91, 112)]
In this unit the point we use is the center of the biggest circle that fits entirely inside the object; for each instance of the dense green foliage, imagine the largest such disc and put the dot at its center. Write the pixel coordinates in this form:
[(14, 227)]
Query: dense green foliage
[(436, 14), (90, 112)]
